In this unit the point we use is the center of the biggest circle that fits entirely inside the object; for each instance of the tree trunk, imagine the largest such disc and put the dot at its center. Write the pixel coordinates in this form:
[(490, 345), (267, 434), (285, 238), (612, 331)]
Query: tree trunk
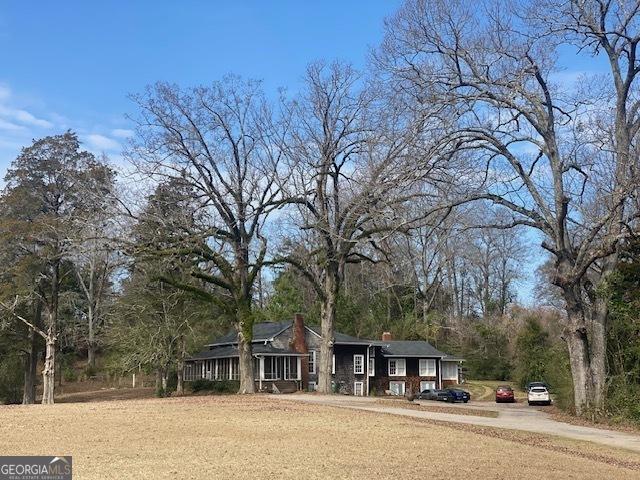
[(30, 367), (91, 340), (180, 367), (158, 381), (48, 373), (180, 382), (327, 323), (599, 316), (247, 383), (580, 371), (577, 338), (244, 327)]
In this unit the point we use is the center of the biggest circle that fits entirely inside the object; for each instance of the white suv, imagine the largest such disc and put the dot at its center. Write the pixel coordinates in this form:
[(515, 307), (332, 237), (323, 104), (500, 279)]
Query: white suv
[(539, 395)]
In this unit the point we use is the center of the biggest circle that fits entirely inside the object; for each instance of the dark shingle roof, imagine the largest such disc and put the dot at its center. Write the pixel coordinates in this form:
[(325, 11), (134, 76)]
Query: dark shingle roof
[(409, 348), (261, 332), (341, 338), (225, 345), (232, 351)]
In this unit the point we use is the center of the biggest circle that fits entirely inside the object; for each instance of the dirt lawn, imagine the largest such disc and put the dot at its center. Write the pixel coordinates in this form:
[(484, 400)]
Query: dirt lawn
[(258, 437)]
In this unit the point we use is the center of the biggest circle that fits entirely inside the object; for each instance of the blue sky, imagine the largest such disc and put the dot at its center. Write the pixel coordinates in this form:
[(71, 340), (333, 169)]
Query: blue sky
[(71, 64)]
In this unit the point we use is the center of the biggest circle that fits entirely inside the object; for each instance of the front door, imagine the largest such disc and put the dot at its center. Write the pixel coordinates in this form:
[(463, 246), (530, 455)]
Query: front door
[(358, 389)]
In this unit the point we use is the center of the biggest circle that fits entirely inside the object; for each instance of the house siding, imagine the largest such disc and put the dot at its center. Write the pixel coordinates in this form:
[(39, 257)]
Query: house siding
[(344, 377), (313, 344), (412, 379)]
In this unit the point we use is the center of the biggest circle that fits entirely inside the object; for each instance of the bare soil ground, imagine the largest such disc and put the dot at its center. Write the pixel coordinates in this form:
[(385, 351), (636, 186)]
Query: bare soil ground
[(485, 390), (440, 408), (260, 437), (611, 424)]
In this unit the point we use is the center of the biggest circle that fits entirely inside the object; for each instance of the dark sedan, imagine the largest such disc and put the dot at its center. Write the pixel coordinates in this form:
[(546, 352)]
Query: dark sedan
[(439, 395), (459, 395)]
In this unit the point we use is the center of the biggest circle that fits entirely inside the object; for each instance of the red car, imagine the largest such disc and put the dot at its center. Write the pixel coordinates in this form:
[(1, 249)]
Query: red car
[(504, 393)]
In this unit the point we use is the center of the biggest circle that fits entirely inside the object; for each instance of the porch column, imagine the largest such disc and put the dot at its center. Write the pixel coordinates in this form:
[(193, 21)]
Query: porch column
[(203, 370), (440, 373), (261, 376), (299, 368), (367, 369)]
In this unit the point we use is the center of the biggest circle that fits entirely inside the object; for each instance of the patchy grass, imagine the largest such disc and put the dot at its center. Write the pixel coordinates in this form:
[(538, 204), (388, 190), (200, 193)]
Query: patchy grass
[(442, 408), (485, 390), (106, 394), (258, 437), (598, 422)]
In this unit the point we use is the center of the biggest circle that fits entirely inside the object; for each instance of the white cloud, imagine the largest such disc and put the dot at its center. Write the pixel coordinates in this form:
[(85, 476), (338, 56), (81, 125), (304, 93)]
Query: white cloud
[(122, 133), (5, 92), (21, 116), (9, 126), (27, 118), (102, 143)]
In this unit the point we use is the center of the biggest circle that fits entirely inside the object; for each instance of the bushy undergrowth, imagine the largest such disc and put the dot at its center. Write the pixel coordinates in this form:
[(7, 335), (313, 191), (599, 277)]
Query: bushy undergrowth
[(218, 386), (11, 380)]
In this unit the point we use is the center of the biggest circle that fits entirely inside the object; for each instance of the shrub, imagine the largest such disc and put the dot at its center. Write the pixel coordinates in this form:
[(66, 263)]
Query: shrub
[(533, 356), (11, 380), (172, 381), (69, 374), (90, 372), (215, 386), (558, 376)]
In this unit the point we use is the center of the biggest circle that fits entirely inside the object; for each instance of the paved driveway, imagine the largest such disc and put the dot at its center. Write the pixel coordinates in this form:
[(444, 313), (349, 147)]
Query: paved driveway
[(510, 416)]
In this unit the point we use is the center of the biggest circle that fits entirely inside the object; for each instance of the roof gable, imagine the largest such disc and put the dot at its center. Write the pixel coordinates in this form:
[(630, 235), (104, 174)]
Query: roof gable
[(261, 332), (341, 338), (409, 348), (266, 331)]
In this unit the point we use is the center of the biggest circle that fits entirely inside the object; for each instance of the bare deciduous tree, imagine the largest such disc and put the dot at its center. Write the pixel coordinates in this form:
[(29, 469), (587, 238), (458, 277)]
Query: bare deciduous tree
[(220, 141), (561, 160), (356, 166)]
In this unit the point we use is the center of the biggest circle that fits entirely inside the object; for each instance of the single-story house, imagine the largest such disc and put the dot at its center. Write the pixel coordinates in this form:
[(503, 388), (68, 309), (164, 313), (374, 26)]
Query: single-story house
[(286, 356)]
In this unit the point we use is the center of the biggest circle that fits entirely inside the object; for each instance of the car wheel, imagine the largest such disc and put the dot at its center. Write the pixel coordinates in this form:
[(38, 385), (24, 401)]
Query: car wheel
[(465, 401)]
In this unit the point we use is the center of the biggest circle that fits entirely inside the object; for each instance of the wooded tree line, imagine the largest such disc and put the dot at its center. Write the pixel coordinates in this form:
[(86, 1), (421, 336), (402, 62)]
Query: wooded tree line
[(404, 197)]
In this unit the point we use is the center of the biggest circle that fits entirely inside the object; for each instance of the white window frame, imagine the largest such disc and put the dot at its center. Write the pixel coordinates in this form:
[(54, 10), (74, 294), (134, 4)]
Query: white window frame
[(401, 394), (427, 367), (399, 367), (360, 357), (355, 387), (449, 365), (427, 385), (372, 366), (312, 362), (333, 364)]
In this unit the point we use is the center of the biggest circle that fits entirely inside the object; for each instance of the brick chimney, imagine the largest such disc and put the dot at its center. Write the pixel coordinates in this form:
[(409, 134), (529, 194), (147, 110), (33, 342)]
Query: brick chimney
[(387, 337), (299, 345)]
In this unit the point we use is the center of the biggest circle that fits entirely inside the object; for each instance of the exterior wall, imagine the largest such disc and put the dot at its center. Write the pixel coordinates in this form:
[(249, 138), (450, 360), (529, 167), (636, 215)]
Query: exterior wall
[(447, 382), (313, 344), (412, 379), (344, 377)]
